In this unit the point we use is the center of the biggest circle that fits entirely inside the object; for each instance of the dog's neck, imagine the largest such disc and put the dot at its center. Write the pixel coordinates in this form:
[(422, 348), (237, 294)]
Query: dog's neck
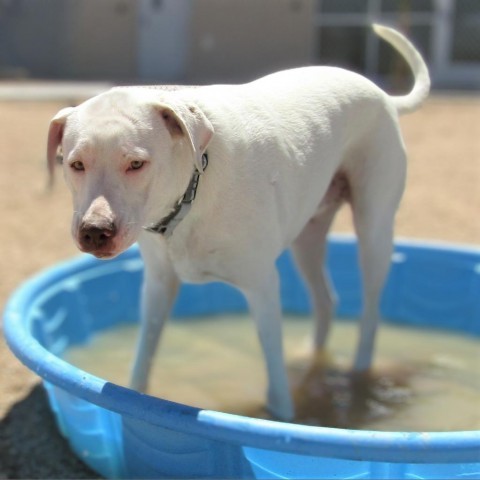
[(167, 224)]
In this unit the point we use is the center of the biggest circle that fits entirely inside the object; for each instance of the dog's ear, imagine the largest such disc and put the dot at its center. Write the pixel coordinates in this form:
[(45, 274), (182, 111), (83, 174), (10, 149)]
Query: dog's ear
[(55, 135), (190, 123)]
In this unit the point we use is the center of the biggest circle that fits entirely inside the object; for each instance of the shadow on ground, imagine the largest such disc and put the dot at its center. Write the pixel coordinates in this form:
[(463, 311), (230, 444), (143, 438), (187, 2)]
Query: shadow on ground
[(32, 447)]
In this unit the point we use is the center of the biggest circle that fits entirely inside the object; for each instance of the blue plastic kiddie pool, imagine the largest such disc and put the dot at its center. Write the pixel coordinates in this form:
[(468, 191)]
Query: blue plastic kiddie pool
[(124, 434)]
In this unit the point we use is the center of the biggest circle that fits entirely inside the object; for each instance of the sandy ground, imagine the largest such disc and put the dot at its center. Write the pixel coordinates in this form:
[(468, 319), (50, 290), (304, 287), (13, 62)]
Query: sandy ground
[(442, 202)]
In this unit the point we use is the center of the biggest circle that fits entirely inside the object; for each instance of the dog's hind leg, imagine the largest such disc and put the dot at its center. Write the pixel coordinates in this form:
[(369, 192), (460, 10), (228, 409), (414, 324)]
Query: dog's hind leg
[(375, 247), (309, 250), (374, 208)]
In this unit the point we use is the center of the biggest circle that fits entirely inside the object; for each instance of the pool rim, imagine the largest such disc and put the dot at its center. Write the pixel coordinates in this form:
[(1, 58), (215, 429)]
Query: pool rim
[(347, 444)]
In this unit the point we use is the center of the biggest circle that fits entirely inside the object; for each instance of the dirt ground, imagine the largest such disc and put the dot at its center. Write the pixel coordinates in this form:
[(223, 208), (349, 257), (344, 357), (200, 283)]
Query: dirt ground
[(442, 202)]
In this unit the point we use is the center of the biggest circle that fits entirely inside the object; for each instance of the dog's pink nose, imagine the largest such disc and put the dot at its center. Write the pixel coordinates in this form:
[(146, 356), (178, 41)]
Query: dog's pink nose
[(96, 237)]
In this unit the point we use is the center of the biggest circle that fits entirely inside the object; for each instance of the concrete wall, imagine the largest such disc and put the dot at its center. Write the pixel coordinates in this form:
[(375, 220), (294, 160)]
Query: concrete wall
[(204, 41), (190, 41), (238, 40), (163, 39), (77, 39), (101, 39), (31, 38)]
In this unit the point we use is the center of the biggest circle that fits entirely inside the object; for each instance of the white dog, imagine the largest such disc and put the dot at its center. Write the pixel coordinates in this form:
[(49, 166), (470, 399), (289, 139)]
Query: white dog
[(267, 163)]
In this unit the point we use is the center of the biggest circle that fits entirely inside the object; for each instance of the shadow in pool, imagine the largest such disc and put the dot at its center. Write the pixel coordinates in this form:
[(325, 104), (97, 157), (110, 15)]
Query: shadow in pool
[(32, 447), (334, 397), (330, 395)]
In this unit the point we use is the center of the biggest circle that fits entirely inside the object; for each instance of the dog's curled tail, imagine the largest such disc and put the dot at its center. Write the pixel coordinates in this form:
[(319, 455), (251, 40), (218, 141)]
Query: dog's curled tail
[(421, 88)]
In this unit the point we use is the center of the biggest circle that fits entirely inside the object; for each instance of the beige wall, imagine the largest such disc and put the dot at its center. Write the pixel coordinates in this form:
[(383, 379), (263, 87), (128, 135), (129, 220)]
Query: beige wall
[(101, 39), (239, 40), (31, 35), (188, 41), (225, 40)]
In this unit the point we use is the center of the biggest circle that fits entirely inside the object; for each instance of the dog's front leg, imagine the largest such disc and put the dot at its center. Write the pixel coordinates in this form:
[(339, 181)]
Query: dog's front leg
[(160, 286), (264, 302)]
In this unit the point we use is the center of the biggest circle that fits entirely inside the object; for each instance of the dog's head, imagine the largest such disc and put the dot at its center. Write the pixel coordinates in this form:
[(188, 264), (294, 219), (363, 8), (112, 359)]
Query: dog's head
[(127, 158)]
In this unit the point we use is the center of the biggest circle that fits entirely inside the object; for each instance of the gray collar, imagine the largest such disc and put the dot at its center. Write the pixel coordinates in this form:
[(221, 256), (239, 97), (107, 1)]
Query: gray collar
[(167, 224)]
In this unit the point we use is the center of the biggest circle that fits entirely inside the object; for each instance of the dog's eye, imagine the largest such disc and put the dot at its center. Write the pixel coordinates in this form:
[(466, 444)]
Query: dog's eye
[(78, 166), (136, 164)]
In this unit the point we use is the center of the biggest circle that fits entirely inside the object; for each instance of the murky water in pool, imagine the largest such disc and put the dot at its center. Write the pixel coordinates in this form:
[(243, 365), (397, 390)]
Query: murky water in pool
[(421, 381)]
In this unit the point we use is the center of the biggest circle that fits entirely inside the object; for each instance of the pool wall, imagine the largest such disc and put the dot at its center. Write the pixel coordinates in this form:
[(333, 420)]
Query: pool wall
[(123, 434)]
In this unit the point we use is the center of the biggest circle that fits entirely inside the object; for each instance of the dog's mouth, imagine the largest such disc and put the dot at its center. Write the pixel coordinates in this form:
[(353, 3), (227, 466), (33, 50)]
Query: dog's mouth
[(110, 249), (101, 254), (104, 255)]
